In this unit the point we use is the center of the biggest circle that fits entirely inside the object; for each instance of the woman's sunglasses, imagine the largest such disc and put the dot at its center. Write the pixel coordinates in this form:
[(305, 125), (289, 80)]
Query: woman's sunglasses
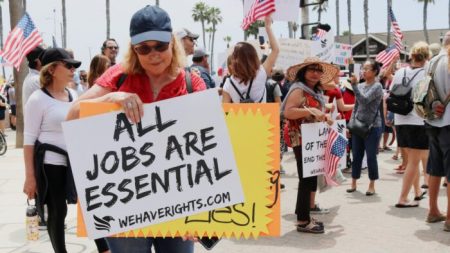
[(145, 49), (68, 65)]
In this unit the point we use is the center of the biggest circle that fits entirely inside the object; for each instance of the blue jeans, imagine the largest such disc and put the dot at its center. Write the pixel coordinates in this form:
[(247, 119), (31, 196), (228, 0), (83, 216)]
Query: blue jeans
[(144, 245), (370, 146)]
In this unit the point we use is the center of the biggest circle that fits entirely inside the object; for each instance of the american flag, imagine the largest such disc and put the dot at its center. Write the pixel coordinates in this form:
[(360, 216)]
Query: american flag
[(336, 145), (319, 35), (386, 56), (20, 41), (398, 35), (259, 9)]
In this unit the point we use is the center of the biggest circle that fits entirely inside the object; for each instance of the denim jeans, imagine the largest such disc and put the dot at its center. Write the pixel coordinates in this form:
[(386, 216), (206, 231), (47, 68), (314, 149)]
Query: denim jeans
[(144, 245), (370, 147)]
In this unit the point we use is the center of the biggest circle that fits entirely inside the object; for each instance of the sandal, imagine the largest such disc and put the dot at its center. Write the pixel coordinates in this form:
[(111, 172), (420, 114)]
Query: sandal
[(311, 227), (421, 196), (435, 219)]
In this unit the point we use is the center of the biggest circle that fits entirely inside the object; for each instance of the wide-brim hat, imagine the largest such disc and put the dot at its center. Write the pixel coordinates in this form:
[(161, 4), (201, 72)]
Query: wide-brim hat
[(329, 70), (347, 85)]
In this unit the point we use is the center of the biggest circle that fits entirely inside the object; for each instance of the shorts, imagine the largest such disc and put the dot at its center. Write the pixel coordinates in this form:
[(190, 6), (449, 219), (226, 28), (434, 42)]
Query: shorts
[(387, 129), (2, 114), (439, 158), (13, 110), (412, 136)]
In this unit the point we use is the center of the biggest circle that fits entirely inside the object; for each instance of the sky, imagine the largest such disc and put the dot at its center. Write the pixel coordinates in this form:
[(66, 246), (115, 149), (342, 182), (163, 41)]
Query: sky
[(86, 20)]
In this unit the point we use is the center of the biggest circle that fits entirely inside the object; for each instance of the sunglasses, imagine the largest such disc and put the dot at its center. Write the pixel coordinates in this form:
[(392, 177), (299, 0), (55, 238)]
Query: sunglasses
[(318, 70), (145, 49), (113, 47), (68, 66)]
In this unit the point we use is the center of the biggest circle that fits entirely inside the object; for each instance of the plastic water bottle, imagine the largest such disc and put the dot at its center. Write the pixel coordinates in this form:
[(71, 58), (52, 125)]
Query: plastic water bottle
[(32, 223)]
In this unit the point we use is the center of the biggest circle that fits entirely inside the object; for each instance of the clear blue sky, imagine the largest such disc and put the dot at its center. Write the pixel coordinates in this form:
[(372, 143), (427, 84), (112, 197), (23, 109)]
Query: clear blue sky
[(87, 23)]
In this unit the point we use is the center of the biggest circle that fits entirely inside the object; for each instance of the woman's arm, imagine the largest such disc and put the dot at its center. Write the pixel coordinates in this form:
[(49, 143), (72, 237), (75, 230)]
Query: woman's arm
[(275, 50), (29, 187), (130, 102), (342, 106), (226, 98), (293, 111)]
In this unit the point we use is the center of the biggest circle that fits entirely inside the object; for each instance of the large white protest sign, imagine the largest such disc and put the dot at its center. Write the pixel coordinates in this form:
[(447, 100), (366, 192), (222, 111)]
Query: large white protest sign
[(292, 51), (285, 10), (314, 142), (177, 162), (324, 48), (342, 53)]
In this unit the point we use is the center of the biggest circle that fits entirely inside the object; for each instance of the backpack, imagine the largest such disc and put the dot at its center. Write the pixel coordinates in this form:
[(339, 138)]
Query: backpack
[(399, 100), (247, 98), (270, 88), (425, 94)]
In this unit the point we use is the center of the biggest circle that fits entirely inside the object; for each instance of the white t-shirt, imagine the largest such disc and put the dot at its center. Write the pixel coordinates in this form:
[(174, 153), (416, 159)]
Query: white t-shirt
[(42, 121), (411, 118), (257, 92)]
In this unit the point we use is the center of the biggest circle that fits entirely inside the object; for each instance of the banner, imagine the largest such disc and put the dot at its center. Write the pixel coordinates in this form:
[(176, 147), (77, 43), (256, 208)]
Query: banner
[(324, 48), (254, 133), (314, 143), (292, 52), (342, 53), (170, 165)]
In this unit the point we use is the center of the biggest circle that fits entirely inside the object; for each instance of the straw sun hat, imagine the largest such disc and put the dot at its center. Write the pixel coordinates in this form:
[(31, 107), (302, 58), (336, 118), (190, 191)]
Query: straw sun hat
[(329, 70)]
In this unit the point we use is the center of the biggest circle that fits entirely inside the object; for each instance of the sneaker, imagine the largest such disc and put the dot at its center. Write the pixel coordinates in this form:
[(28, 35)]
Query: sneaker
[(311, 227), (282, 186), (317, 210), (42, 226)]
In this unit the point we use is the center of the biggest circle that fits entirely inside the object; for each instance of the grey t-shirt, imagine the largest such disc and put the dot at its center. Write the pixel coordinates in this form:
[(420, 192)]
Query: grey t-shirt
[(368, 98)]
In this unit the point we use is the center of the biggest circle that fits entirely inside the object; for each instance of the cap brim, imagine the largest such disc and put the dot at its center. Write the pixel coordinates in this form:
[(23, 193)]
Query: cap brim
[(162, 36), (194, 36), (74, 63)]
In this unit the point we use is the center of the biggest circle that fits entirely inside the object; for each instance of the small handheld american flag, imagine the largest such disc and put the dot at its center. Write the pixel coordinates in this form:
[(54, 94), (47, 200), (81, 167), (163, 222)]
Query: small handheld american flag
[(259, 9), (336, 145)]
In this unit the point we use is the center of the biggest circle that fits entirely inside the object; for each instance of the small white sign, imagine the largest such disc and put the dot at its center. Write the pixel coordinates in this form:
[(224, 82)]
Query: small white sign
[(292, 52), (177, 162), (324, 48), (314, 143)]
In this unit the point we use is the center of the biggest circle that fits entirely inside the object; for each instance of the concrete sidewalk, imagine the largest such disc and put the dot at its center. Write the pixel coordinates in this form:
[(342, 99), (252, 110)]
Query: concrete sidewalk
[(356, 223)]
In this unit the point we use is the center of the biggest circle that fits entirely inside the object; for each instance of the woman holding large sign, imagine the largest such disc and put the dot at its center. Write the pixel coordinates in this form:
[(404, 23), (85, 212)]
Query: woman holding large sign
[(305, 104), (152, 71)]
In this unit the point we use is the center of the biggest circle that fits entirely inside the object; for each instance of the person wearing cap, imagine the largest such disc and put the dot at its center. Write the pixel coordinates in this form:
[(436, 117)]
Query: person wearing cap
[(110, 49), (152, 70), (200, 63), (47, 173), (31, 81), (188, 39), (305, 104)]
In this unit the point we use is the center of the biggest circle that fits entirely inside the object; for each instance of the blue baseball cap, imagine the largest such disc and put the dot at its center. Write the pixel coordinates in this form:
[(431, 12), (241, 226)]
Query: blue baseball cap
[(150, 23)]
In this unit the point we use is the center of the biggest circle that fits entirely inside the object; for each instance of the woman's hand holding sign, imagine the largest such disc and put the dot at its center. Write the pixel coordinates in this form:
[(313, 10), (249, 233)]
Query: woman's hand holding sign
[(131, 103)]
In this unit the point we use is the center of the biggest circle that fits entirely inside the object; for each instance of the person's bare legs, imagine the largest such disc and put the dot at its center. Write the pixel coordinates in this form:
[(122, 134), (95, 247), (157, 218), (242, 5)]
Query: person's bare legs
[(371, 187), (312, 200), (411, 175), (424, 166), (433, 190)]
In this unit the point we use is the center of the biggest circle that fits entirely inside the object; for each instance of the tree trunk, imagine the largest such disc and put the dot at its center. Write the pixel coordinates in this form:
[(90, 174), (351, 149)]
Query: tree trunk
[(366, 26), (16, 12), (212, 47), (319, 17), (290, 29), (157, 3), (388, 31), (64, 40), (24, 5), (305, 20), (337, 21), (349, 20), (108, 21), (203, 32), (209, 40), (425, 10), (1, 37)]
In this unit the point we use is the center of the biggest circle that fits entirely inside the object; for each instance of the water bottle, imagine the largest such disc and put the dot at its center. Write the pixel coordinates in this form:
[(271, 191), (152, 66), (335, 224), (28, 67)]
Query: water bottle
[(32, 222)]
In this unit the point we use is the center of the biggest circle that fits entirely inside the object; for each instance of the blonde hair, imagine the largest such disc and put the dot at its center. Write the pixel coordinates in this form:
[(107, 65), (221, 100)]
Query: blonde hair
[(420, 52), (97, 67), (46, 75), (131, 64)]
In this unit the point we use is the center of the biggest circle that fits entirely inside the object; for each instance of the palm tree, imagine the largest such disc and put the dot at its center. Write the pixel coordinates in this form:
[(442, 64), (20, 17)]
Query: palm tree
[(337, 21), (349, 20), (321, 7), (389, 6), (425, 11), (16, 11), (64, 40), (1, 35), (290, 29), (108, 21), (209, 31), (366, 26), (214, 18), (253, 29), (200, 13), (227, 39), (295, 29)]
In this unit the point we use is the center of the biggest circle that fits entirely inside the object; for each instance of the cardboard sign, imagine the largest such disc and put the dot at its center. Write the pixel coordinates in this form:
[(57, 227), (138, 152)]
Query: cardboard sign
[(177, 161), (292, 52), (254, 133), (314, 143), (342, 53), (324, 48)]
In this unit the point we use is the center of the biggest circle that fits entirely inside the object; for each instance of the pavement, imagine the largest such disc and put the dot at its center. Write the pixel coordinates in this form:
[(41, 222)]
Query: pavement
[(356, 223)]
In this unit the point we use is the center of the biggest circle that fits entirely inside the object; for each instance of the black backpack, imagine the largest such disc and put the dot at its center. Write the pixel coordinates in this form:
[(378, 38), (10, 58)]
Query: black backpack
[(247, 98), (270, 88), (400, 99)]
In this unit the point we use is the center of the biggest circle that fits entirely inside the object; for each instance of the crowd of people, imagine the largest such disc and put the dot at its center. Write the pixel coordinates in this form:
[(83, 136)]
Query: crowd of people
[(154, 68)]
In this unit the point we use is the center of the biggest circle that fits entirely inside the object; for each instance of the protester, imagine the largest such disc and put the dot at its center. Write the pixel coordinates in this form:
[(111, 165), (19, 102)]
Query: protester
[(84, 79), (438, 131), (47, 172), (410, 125), (98, 66), (110, 49), (11, 97), (188, 40), (31, 81), (248, 81), (200, 62), (154, 69), (367, 109), (3, 107), (305, 104)]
